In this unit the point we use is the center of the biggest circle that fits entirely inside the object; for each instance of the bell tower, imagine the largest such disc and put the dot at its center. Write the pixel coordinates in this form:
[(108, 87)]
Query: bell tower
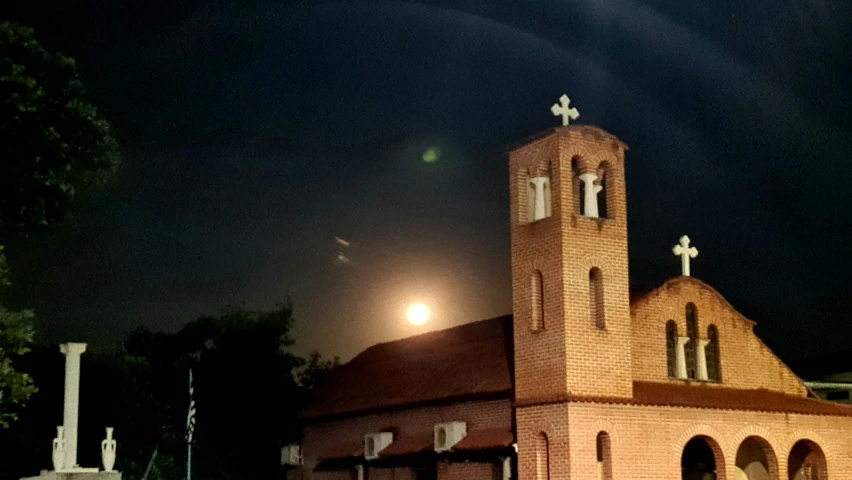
[(570, 286)]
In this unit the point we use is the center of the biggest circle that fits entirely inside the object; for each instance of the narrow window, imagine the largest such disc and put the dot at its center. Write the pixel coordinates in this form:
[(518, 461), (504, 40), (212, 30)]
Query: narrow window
[(692, 345), (537, 298), (596, 298), (538, 198), (714, 370), (604, 456), (525, 196), (542, 457), (671, 348), (603, 196), (577, 187)]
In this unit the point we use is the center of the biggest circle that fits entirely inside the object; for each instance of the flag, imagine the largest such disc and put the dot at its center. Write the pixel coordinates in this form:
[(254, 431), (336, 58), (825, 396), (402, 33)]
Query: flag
[(190, 416)]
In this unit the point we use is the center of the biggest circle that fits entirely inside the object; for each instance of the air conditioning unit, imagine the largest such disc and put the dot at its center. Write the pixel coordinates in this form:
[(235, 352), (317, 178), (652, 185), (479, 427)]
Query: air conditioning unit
[(447, 435), (374, 443), (291, 455)]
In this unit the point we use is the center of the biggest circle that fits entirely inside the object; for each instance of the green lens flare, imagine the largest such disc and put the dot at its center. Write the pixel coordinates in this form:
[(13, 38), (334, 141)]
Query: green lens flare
[(431, 155)]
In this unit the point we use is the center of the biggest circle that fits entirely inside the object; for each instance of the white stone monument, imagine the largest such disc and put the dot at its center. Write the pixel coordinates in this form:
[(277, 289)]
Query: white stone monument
[(685, 252), (561, 109), (65, 465)]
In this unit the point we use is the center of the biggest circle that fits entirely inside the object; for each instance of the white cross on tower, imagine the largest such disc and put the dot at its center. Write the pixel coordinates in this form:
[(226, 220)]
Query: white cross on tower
[(563, 110), (685, 252)]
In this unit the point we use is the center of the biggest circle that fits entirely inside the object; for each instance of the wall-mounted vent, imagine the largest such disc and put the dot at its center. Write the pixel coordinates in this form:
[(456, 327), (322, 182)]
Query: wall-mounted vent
[(447, 435), (374, 443), (291, 455)]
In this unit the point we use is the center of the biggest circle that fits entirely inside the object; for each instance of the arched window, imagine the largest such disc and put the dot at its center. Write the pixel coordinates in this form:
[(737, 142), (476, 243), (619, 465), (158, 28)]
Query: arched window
[(538, 193), (714, 370), (692, 344), (671, 348), (603, 197), (537, 299), (578, 187), (596, 298), (542, 457), (525, 196), (604, 452)]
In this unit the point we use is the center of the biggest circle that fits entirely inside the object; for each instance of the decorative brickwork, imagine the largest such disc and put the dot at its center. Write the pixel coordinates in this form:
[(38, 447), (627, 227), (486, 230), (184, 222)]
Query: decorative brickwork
[(573, 354), (745, 362), (583, 375)]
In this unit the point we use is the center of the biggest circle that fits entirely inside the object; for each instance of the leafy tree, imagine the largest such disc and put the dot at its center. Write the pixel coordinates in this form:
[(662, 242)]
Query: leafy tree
[(16, 335), (246, 389), (316, 371), (51, 140), (51, 143)]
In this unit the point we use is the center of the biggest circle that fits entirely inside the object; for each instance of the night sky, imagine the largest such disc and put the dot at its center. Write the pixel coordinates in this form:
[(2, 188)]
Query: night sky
[(254, 133)]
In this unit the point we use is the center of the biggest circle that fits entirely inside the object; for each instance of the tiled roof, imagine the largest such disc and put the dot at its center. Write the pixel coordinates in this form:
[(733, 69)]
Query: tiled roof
[(344, 450), (676, 394), (477, 440), (469, 361), (485, 439), (409, 445), (475, 361)]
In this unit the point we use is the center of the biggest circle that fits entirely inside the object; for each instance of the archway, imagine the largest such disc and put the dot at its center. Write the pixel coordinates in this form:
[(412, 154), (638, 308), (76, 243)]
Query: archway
[(756, 460), (702, 460), (806, 462)]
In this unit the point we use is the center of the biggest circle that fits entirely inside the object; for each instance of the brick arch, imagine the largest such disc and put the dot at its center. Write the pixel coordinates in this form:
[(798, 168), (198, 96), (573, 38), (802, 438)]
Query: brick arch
[(811, 435), (600, 425), (673, 312), (756, 431), (721, 449), (590, 261), (766, 441), (584, 156), (541, 426), (599, 158), (817, 456), (700, 430), (542, 165), (539, 263)]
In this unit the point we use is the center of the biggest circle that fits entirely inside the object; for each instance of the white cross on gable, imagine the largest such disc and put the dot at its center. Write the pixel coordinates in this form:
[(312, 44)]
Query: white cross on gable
[(561, 109), (685, 252)]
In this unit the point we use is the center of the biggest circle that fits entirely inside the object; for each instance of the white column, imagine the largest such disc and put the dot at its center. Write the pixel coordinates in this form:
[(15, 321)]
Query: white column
[(681, 356), (590, 200), (702, 359), (540, 206), (360, 470), (72, 352), (507, 468)]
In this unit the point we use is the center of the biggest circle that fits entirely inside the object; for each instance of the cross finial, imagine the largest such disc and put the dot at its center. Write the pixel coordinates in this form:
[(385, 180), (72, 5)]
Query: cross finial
[(561, 109), (685, 252)]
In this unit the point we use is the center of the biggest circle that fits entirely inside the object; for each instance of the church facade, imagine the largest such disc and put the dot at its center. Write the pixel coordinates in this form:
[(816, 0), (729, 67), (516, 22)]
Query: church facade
[(588, 378)]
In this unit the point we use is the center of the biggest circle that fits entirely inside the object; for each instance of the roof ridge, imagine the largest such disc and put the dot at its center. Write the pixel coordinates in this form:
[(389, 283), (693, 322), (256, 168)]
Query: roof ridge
[(437, 333)]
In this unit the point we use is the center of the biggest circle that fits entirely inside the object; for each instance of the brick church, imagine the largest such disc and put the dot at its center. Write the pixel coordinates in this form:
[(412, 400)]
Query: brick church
[(587, 379)]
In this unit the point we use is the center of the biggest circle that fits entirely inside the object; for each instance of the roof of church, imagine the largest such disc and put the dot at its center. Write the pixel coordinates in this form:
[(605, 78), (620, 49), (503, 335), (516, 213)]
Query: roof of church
[(591, 130), (473, 360), (697, 395)]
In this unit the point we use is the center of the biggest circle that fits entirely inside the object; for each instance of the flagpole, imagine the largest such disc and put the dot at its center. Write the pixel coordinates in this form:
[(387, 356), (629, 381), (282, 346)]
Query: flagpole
[(189, 431)]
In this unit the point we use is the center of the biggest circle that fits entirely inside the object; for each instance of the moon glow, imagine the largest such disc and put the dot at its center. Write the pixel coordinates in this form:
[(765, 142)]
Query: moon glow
[(418, 313)]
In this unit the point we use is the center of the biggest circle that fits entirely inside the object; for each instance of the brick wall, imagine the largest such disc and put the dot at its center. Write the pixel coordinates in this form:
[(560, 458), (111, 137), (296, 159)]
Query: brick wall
[(323, 436), (571, 354), (745, 361), (647, 442)]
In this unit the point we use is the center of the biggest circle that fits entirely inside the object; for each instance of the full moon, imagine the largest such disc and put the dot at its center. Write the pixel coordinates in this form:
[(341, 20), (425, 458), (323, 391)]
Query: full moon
[(418, 313)]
